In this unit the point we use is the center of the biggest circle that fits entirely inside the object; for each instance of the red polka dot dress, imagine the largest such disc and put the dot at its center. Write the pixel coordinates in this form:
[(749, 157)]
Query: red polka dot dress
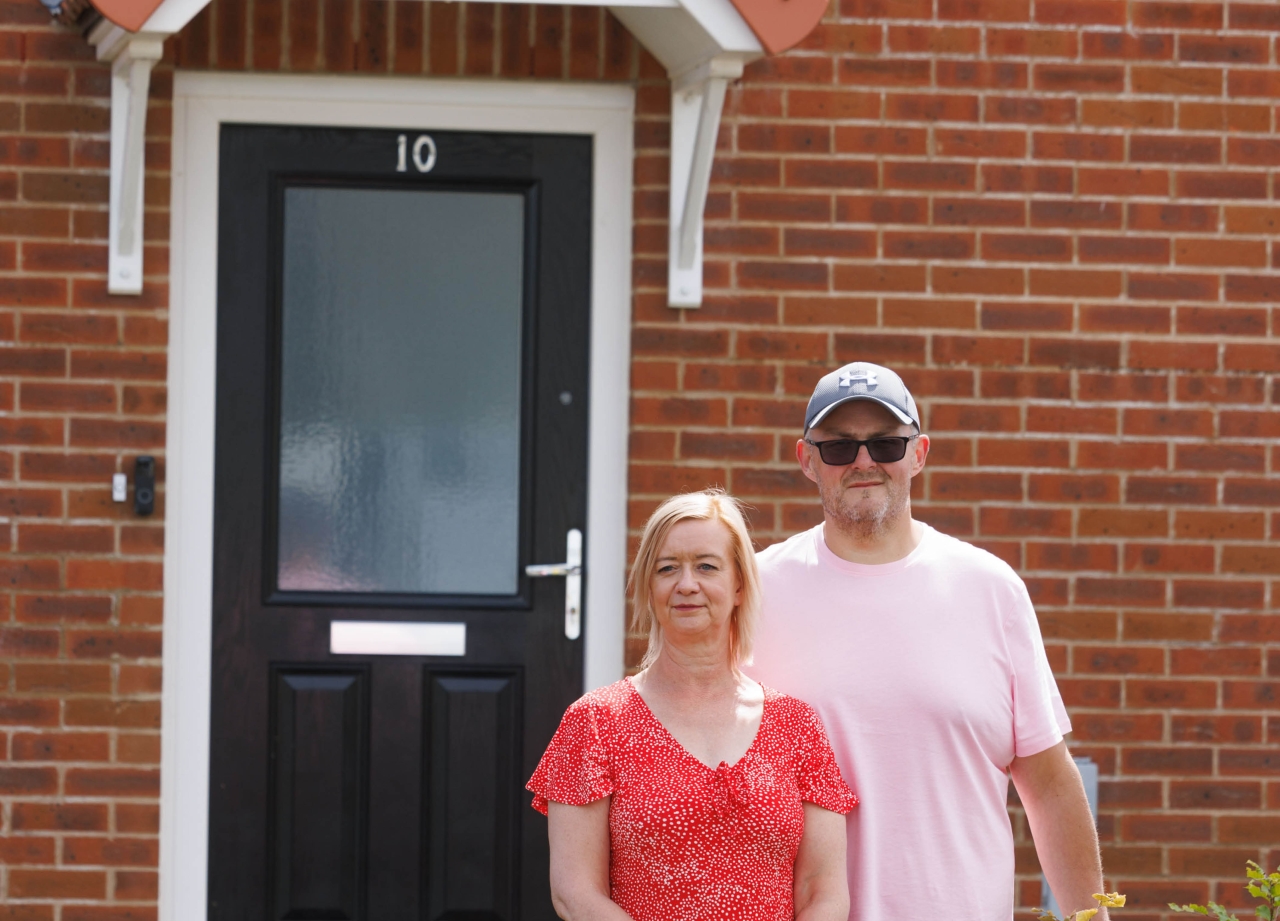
[(688, 842)]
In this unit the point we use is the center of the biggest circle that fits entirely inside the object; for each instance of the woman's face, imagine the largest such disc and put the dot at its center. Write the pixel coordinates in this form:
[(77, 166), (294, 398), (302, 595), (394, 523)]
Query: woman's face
[(695, 585)]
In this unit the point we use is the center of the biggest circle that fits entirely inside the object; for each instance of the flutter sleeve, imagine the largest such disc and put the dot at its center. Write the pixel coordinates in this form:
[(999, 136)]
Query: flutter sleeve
[(817, 774), (576, 768)]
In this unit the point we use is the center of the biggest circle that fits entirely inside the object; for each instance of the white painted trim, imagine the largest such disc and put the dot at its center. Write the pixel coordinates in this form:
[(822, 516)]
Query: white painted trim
[(202, 102)]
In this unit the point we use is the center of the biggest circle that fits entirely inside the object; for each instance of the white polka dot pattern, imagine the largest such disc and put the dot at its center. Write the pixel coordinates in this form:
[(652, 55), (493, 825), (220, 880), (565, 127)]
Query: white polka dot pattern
[(689, 843)]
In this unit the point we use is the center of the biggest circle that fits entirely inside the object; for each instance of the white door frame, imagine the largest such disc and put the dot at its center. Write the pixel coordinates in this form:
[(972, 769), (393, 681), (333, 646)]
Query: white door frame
[(202, 102)]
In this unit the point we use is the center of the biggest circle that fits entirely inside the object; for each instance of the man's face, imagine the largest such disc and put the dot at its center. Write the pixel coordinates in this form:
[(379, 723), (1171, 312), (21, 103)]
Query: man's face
[(865, 497)]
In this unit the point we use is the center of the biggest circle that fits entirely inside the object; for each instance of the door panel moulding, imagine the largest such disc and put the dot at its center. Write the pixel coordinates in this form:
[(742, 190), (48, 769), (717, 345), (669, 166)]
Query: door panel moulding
[(202, 103), (703, 44)]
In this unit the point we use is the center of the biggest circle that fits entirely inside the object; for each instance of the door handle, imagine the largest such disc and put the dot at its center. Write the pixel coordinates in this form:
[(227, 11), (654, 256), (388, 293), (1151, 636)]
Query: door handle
[(571, 569)]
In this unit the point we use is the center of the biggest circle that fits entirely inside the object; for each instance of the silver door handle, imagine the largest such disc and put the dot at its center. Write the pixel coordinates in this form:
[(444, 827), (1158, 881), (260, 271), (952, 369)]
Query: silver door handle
[(571, 569)]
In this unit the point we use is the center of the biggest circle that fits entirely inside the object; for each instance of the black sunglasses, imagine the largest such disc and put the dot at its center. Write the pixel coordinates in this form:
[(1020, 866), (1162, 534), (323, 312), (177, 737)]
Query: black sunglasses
[(884, 449)]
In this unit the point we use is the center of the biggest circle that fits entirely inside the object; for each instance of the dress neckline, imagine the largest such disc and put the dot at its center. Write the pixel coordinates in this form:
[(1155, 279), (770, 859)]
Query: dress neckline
[(764, 715)]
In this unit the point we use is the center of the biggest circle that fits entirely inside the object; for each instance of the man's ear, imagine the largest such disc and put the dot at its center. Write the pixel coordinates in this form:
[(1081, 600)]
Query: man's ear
[(919, 454), (804, 454)]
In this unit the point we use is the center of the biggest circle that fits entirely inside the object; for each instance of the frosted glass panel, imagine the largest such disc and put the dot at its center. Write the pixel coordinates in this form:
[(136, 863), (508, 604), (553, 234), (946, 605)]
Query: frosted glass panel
[(400, 391)]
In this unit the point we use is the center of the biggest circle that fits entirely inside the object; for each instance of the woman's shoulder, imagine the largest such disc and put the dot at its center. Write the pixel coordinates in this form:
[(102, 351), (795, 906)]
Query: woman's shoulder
[(609, 700), (791, 709)]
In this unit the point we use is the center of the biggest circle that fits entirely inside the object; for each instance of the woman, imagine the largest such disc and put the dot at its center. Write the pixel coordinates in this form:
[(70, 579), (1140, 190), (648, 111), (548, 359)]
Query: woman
[(690, 792)]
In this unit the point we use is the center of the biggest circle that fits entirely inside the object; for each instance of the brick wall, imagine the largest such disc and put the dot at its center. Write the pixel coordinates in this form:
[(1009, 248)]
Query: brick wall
[(1056, 221), (81, 393)]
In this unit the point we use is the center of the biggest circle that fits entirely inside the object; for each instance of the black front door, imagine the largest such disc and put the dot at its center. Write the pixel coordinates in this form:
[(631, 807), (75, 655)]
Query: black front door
[(401, 430)]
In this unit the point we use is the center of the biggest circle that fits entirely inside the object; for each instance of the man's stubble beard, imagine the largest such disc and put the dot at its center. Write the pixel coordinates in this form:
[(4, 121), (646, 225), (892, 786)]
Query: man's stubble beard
[(856, 519)]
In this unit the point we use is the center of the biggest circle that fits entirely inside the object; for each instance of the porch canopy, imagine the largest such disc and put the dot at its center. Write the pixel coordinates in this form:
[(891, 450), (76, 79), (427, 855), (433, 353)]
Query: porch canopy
[(703, 44)]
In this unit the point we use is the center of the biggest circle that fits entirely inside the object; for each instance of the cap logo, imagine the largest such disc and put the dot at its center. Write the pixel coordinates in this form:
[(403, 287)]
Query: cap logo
[(866, 378)]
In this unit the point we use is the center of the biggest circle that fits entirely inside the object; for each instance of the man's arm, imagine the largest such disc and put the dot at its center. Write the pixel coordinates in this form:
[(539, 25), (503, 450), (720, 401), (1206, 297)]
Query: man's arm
[(1052, 794)]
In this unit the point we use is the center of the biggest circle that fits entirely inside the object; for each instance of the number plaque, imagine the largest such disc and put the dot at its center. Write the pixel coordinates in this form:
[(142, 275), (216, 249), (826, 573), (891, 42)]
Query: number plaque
[(423, 153)]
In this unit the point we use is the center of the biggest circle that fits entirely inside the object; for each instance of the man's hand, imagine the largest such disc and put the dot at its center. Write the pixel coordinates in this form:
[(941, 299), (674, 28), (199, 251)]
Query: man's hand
[(1052, 794)]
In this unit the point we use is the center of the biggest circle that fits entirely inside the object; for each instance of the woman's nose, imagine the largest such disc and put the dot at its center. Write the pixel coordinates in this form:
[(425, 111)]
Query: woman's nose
[(688, 584)]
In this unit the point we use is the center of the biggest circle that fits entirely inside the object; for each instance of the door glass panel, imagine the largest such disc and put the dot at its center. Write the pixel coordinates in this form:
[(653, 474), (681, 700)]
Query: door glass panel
[(400, 391)]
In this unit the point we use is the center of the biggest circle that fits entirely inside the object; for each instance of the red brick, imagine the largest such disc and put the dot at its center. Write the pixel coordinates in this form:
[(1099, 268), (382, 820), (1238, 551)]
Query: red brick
[(1123, 388), (1053, 419), (884, 71), (949, 280), (1249, 761), (1220, 389), (1128, 113), (1219, 595), (1089, 692), (878, 278), (829, 311), (1073, 557), (61, 746), (1082, 78), (1222, 321), (1034, 110), (1251, 695), (1188, 761), (1251, 358), (789, 276), (49, 397), (1052, 145), (936, 176), (882, 209), (1019, 452), (832, 103), (1161, 625), (1219, 525), (1166, 694), (1095, 727), (113, 574), (984, 74), (1123, 523), (1124, 250), (1074, 283), (57, 884), (73, 678), (1191, 356), (785, 138), (670, 341), (847, 244), (1177, 80), (1123, 181), (1025, 522), (1221, 185), (59, 817)]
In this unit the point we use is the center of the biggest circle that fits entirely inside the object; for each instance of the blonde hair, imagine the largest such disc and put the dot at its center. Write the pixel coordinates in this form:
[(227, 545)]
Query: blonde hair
[(707, 505)]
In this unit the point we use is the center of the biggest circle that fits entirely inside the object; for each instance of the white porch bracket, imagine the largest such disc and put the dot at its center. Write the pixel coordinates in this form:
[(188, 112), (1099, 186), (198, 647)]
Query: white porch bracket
[(697, 101), (703, 44), (132, 55)]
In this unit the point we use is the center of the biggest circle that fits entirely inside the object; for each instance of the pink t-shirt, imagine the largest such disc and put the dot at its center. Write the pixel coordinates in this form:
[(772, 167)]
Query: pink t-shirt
[(930, 676)]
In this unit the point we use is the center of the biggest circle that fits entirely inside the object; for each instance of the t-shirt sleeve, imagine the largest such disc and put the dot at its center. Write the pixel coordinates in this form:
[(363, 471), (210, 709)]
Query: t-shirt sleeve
[(1039, 717), (817, 774), (576, 768)]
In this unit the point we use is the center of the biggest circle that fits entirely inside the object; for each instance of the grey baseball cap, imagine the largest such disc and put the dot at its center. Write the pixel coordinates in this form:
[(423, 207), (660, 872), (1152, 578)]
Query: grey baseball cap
[(861, 380)]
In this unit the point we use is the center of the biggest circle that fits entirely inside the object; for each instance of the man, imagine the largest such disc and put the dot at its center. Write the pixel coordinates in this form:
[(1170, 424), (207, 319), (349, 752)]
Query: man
[(923, 656)]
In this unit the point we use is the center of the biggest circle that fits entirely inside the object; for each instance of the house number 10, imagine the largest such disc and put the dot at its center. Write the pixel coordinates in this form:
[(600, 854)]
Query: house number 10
[(424, 153)]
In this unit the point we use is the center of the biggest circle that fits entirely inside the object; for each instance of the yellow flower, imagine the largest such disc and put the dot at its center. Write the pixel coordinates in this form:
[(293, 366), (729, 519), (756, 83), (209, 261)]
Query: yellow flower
[(1084, 915), (1110, 899)]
